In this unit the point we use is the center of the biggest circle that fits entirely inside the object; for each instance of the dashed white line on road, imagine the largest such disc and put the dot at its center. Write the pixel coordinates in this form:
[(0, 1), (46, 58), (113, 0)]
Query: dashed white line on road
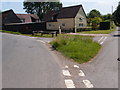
[(103, 40), (88, 84), (100, 39), (76, 66), (41, 41), (81, 73), (69, 83), (66, 66), (66, 73)]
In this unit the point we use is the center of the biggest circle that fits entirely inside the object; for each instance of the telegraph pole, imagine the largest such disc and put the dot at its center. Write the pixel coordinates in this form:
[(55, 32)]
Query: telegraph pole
[(112, 9), (111, 19)]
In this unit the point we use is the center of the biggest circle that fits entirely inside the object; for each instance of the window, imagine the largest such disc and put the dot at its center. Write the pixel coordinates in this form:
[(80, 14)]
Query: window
[(37, 20), (80, 19), (23, 20), (49, 24), (81, 24), (63, 24), (52, 18)]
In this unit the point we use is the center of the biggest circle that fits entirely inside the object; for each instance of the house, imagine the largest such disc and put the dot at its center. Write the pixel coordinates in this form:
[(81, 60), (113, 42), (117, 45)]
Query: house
[(67, 18), (24, 23), (9, 17), (27, 18)]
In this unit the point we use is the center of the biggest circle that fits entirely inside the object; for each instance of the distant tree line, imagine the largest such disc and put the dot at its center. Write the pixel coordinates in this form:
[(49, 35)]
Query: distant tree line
[(94, 17)]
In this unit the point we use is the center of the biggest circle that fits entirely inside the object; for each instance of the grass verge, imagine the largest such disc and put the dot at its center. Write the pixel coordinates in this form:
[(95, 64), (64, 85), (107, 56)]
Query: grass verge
[(36, 35), (18, 33), (79, 48), (98, 32)]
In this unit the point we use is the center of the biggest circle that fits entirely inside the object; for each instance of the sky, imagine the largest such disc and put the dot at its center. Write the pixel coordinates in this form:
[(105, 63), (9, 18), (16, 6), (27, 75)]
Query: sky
[(104, 6)]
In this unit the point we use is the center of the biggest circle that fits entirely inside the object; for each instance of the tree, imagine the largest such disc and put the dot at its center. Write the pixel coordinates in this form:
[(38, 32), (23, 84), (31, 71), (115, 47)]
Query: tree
[(107, 17), (94, 13), (116, 15), (41, 8), (95, 22)]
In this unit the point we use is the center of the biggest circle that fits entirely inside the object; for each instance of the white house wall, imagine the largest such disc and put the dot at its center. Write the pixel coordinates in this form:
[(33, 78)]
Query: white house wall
[(66, 24), (79, 22), (52, 25)]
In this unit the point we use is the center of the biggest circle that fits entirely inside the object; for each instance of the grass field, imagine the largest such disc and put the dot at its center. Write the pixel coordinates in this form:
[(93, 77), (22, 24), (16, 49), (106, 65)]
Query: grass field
[(79, 48), (98, 32)]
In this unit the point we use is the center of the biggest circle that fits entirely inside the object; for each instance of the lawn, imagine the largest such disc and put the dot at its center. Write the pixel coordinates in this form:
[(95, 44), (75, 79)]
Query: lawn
[(79, 48), (98, 32)]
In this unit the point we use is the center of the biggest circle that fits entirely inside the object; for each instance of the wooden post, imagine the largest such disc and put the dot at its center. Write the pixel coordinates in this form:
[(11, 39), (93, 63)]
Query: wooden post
[(59, 30)]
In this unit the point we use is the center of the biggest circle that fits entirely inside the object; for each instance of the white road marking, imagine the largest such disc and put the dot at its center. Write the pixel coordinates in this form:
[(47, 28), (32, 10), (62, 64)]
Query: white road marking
[(69, 83), (88, 84), (76, 66), (66, 73), (66, 66), (41, 41), (48, 41), (32, 37), (103, 40), (100, 39), (81, 73)]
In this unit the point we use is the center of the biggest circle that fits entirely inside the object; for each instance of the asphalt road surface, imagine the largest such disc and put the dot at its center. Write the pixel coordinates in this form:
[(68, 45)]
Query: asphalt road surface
[(103, 70), (27, 63)]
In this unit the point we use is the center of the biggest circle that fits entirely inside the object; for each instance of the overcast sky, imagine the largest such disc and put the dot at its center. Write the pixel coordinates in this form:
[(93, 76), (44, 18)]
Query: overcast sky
[(104, 6)]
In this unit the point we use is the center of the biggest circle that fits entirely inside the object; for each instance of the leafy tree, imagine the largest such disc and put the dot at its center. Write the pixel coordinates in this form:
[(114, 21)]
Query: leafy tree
[(40, 8), (107, 17), (95, 22), (94, 13), (91, 17), (116, 15)]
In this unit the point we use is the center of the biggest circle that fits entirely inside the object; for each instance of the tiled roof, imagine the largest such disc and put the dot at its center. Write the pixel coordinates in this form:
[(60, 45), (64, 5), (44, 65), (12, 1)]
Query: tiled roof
[(66, 12), (27, 17), (12, 19)]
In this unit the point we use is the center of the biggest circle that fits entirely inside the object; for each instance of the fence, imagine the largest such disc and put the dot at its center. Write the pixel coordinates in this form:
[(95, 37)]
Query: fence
[(26, 28)]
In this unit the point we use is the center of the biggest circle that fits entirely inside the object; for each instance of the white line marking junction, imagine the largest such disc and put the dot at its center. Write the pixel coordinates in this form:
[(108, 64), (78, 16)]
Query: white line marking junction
[(100, 39), (41, 41), (88, 84), (69, 83), (76, 66), (103, 40), (66, 73), (81, 73), (66, 66)]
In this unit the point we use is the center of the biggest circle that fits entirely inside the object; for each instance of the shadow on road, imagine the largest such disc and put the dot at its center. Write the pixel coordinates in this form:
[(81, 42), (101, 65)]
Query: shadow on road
[(116, 35)]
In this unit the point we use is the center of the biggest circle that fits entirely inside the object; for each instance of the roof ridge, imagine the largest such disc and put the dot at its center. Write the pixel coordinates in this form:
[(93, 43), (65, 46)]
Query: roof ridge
[(7, 10), (72, 6), (25, 14)]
